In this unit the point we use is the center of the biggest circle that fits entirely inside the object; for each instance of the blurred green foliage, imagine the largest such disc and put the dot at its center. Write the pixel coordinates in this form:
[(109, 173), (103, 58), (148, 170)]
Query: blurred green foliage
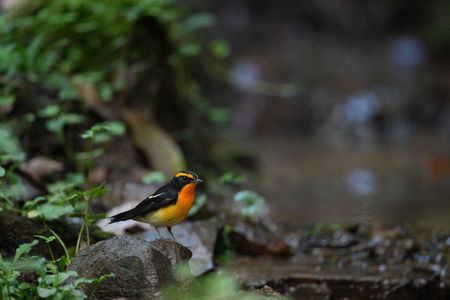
[(200, 202), (54, 42), (104, 132), (51, 284), (63, 44), (232, 178), (217, 286), (437, 28), (251, 203), (154, 177)]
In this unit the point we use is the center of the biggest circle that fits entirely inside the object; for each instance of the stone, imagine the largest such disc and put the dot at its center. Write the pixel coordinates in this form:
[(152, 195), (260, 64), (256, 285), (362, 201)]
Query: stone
[(253, 239), (311, 291), (199, 236), (141, 268), (174, 251)]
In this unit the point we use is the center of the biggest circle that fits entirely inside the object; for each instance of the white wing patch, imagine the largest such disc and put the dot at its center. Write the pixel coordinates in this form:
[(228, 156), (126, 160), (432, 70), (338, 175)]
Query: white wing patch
[(155, 196)]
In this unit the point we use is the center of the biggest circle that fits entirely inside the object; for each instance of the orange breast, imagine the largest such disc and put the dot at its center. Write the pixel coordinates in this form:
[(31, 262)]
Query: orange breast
[(173, 214), (186, 197)]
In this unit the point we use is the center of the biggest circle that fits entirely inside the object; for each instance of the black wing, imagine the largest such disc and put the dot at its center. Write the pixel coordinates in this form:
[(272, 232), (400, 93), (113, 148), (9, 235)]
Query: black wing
[(160, 198)]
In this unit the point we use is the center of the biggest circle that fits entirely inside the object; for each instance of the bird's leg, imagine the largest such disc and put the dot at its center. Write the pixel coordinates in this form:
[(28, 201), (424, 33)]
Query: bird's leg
[(169, 228), (157, 230)]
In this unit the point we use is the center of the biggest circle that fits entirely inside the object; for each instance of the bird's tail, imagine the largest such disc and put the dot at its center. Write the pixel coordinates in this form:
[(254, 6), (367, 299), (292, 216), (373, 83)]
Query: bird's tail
[(129, 214)]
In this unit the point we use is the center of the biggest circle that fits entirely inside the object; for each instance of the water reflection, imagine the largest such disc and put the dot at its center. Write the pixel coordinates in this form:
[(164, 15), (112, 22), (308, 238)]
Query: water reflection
[(309, 181), (361, 182)]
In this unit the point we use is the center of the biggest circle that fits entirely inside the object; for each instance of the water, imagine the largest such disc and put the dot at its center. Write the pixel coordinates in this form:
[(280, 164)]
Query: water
[(308, 180)]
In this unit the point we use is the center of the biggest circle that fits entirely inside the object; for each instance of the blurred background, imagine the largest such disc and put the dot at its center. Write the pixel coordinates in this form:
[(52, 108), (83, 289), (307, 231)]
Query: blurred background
[(344, 104), (335, 111)]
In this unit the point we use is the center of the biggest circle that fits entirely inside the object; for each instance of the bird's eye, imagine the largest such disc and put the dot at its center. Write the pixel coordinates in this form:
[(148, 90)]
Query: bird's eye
[(185, 178)]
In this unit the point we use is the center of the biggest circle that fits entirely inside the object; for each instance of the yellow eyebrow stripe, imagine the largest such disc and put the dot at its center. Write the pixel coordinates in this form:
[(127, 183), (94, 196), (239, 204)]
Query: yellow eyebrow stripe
[(184, 174)]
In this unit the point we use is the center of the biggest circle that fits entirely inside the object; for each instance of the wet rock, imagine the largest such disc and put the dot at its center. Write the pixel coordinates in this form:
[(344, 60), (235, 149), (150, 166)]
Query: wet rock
[(268, 292), (199, 236), (174, 251), (140, 267), (294, 277), (393, 250), (253, 239), (310, 291), (337, 239)]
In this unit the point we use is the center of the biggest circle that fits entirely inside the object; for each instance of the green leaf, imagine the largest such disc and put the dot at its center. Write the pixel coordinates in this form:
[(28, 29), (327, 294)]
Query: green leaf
[(71, 181), (106, 91), (200, 201), (86, 155), (59, 278), (113, 128), (219, 48), (73, 295), (63, 261), (248, 197), (81, 281), (46, 292), (99, 280), (155, 177), (7, 100), (197, 21), (46, 239), (95, 192), (55, 125), (50, 110), (2, 171), (10, 149), (35, 263), (251, 203), (219, 115), (25, 286), (72, 118), (23, 249), (190, 49), (102, 137), (34, 202), (88, 134), (231, 178), (50, 211)]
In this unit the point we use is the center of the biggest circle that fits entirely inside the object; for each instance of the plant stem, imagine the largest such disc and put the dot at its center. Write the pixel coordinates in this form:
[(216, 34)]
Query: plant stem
[(86, 220), (91, 155), (77, 247), (60, 242), (51, 252)]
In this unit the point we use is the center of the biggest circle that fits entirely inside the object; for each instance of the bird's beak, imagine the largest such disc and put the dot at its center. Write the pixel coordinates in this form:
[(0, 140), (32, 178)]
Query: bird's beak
[(198, 180)]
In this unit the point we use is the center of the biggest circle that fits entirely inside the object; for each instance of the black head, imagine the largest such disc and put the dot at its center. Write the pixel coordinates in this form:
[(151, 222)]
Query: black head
[(186, 177)]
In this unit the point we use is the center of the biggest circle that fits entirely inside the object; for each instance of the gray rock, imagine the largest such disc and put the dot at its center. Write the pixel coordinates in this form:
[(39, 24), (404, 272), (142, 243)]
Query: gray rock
[(172, 250), (140, 267), (199, 236), (254, 239)]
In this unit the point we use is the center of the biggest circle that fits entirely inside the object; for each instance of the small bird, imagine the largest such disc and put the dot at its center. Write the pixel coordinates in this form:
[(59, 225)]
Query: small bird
[(168, 205)]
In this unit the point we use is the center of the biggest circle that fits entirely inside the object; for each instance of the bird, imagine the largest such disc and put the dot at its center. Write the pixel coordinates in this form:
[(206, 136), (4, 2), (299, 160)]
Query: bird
[(168, 205)]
